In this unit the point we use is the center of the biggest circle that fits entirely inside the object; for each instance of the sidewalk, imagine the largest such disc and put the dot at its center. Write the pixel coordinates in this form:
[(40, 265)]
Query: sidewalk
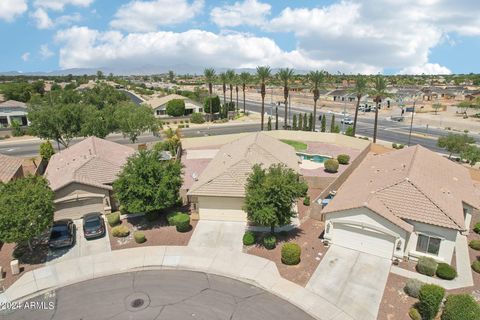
[(225, 262)]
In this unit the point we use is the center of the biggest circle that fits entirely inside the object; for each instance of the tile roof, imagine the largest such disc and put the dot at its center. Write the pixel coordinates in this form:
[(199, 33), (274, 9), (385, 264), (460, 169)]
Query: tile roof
[(9, 167), (227, 173), (160, 101), (93, 161), (12, 104), (410, 184)]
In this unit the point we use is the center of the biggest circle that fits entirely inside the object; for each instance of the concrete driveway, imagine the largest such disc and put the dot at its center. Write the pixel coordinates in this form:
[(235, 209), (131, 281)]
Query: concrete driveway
[(354, 281), (82, 247), (218, 234)]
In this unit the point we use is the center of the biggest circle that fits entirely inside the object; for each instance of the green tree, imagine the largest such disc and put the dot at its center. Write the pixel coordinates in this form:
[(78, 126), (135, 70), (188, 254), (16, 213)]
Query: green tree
[(231, 79), (271, 193), (100, 74), (224, 79), (436, 107), (214, 103), (99, 123), (455, 143), (133, 120), (471, 154), (324, 123), (360, 90), (171, 76), (310, 122), (305, 122), (26, 209), (316, 78), (285, 76), (379, 92), (269, 124), (294, 125), (332, 123), (209, 75), (46, 150), (263, 74), (245, 79), (300, 121), (147, 184), (176, 107), (103, 95), (19, 91)]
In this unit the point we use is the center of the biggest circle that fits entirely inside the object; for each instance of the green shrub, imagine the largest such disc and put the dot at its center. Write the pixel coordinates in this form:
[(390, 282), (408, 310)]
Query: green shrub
[(427, 266), (248, 238), (476, 228), (430, 297), (476, 266), (400, 146), (412, 287), (343, 158), (46, 150), (176, 108), (139, 237), (445, 271), (461, 307), (414, 314), (197, 118), (181, 126), (151, 216), (394, 145), (113, 218), (269, 242), (17, 130), (306, 201), (120, 231), (182, 222), (475, 244), (291, 253), (331, 165), (171, 218)]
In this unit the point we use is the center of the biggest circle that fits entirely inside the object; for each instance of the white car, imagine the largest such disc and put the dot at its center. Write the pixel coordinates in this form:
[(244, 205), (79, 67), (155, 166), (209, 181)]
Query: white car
[(347, 121)]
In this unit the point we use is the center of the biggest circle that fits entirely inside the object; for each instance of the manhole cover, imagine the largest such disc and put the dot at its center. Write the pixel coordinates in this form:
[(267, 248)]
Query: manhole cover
[(137, 303)]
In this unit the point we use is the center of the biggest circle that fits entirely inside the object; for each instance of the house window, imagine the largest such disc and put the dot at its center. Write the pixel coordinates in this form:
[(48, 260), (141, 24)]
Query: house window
[(427, 244)]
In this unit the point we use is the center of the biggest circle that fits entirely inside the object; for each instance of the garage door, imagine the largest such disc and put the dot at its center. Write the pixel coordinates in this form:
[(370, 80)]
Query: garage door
[(75, 209), (363, 240), (221, 209)]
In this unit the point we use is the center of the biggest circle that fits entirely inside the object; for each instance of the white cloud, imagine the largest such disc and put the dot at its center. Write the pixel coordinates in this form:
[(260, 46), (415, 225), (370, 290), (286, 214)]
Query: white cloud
[(144, 16), (59, 5), (42, 20), (26, 56), (248, 12), (11, 9), (427, 68), (45, 52)]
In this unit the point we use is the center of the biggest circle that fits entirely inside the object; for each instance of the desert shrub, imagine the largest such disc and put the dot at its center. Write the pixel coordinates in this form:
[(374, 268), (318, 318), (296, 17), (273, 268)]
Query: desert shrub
[(291, 253), (182, 222), (394, 145), (120, 231), (412, 287), (343, 158), (476, 228), (461, 307), (113, 218), (17, 130), (475, 244), (248, 238), (269, 242), (181, 126), (430, 297), (331, 165), (445, 271), (476, 266), (427, 266), (414, 314), (400, 146), (197, 118), (306, 201), (171, 218), (139, 237)]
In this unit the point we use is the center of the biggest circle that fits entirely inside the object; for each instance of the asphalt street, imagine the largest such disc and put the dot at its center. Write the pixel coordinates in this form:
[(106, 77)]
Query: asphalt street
[(160, 295)]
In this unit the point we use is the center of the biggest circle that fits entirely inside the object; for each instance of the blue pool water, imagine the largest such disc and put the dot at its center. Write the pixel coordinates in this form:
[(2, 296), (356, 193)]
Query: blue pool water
[(313, 157)]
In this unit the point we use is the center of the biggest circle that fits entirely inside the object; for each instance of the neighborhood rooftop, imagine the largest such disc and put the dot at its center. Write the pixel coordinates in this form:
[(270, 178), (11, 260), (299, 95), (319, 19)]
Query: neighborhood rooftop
[(12, 104), (159, 101), (8, 167)]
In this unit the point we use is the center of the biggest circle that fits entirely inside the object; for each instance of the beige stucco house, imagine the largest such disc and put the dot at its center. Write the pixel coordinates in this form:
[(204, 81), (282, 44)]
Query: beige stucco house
[(159, 105), (219, 192), (403, 204), (11, 111), (82, 175)]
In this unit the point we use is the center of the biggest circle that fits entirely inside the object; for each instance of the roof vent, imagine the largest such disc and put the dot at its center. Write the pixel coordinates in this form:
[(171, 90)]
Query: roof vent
[(195, 176)]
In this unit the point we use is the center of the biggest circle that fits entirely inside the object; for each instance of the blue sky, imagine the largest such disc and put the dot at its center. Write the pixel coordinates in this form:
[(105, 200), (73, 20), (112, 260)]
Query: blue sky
[(351, 36)]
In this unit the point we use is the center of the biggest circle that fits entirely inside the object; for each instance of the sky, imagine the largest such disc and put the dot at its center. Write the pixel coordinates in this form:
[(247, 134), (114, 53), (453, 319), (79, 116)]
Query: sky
[(347, 36)]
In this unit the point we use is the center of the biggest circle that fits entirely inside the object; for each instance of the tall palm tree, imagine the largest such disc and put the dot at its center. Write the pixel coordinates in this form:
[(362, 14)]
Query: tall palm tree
[(316, 78), (236, 81), (245, 79), (231, 79), (209, 75), (379, 91), (285, 76), (224, 79), (360, 90), (263, 74)]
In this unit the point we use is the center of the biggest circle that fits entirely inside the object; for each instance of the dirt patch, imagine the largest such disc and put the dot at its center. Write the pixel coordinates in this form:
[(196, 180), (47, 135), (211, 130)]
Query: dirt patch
[(379, 149), (313, 193), (307, 236), (395, 302)]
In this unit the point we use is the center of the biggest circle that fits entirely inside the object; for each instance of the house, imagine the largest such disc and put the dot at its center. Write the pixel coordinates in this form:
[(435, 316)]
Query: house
[(403, 204), (159, 105), (10, 168), (11, 111), (219, 192), (82, 175)]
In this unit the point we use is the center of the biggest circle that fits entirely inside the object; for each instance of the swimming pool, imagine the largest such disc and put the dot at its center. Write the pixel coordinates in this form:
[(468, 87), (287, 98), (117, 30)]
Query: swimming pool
[(313, 157)]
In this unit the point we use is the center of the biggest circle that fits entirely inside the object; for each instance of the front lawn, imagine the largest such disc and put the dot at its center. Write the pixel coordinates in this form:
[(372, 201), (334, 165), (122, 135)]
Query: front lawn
[(298, 145)]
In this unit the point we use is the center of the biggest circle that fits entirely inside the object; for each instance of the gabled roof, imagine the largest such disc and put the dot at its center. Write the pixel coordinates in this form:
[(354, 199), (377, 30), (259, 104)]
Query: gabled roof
[(93, 161), (227, 173), (411, 184), (12, 104), (160, 101), (8, 167)]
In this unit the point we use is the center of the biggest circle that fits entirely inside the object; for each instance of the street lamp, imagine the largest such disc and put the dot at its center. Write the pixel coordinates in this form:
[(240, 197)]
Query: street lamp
[(411, 120)]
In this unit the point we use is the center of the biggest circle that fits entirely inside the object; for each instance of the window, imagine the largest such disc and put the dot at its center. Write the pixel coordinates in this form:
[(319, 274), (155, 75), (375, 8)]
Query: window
[(428, 244)]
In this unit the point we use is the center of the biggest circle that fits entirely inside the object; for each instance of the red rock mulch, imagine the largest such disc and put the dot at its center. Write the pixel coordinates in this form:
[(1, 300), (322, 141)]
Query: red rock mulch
[(302, 209)]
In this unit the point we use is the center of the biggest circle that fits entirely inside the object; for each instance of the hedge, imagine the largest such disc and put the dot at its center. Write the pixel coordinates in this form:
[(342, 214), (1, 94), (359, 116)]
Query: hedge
[(445, 271), (139, 237), (269, 242), (427, 266), (343, 158), (430, 297), (182, 222), (476, 228), (461, 307), (248, 238), (331, 165), (171, 218), (412, 287), (113, 218), (176, 107), (476, 266), (120, 231), (291, 253), (475, 244)]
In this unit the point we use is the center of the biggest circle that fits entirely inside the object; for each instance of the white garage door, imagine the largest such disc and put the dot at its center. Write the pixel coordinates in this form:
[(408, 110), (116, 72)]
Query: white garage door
[(363, 240), (75, 209), (221, 209)]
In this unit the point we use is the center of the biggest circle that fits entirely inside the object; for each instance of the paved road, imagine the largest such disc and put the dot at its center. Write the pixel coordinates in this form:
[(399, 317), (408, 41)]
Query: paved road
[(162, 295)]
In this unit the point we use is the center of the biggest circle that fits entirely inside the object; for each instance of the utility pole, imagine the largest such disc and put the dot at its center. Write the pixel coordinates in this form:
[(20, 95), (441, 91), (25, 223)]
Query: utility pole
[(411, 123)]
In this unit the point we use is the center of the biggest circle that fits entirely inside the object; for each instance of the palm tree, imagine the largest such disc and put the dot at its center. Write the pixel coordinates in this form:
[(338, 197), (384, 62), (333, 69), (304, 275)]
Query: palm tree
[(209, 75), (245, 79), (263, 74), (224, 79), (231, 78), (316, 78), (285, 75), (360, 90), (236, 81), (379, 91)]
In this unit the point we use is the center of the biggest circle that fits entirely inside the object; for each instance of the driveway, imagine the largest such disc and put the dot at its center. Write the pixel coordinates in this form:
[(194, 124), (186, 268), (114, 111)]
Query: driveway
[(218, 234), (82, 247), (354, 281)]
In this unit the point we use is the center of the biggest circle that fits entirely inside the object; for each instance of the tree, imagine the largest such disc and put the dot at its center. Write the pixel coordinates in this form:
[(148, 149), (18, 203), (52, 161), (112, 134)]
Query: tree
[(209, 75), (245, 79), (332, 123), (46, 151), (300, 121), (100, 74), (271, 193), (26, 209), (176, 107), (455, 143), (263, 74), (316, 79), (349, 131), (436, 107), (99, 123), (310, 122), (231, 79), (305, 122), (324, 123), (213, 103), (269, 124), (224, 79), (134, 120), (285, 76), (19, 91), (171, 76), (360, 90), (147, 184), (379, 91), (471, 153), (294, 124)]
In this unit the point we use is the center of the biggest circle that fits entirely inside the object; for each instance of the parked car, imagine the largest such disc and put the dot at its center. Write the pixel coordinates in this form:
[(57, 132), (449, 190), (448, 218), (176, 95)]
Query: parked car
[(346, 121), (93, 225), (62, 234)]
